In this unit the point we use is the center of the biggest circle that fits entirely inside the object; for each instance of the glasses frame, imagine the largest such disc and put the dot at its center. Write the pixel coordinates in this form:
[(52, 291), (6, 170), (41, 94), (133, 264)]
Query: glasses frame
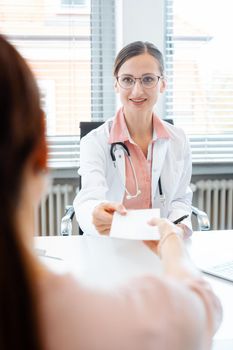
[(134, 81)]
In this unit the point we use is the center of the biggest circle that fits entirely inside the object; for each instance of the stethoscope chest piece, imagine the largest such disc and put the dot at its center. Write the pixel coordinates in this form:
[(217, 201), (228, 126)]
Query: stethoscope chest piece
[(115, 146), (162, 199)]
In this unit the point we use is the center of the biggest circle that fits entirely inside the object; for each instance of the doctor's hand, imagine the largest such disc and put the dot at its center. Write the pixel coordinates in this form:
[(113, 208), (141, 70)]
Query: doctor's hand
[(103, 214)]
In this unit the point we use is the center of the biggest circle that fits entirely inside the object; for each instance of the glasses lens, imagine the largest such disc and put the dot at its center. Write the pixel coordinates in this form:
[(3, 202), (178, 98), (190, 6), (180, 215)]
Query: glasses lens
[(126, 81), (149, 80)]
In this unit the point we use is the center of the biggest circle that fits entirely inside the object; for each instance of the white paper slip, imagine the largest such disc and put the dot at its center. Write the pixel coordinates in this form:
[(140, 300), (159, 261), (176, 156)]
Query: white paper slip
[(134, 225)]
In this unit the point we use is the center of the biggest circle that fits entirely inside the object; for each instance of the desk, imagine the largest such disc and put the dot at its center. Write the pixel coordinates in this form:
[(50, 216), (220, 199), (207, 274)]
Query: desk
[(213, 247), (104, 262)]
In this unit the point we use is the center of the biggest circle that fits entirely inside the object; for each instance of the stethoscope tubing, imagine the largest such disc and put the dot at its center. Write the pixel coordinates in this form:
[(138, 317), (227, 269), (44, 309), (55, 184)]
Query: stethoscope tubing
[(126, 151)]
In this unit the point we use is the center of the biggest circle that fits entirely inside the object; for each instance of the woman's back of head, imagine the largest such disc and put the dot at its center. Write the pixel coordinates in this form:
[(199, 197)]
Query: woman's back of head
[(22, 140)]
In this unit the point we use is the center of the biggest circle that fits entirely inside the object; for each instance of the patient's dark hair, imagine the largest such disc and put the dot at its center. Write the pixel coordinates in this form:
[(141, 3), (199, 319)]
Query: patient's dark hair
[(22, 138), (135, 49)]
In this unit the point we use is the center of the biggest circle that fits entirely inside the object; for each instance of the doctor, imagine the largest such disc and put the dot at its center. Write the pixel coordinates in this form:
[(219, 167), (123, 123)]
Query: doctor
[(134, 160)]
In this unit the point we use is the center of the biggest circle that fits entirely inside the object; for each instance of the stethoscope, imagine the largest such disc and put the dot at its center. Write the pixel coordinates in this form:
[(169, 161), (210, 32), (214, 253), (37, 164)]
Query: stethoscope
[(129, 195)]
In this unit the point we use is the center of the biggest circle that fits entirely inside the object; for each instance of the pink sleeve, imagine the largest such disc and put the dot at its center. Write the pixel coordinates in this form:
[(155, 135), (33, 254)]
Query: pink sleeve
[(149, 313), (212, 304)]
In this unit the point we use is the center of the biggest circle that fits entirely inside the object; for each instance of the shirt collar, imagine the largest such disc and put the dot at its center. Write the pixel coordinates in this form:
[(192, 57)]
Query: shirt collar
[(160, 130), (119, 131)]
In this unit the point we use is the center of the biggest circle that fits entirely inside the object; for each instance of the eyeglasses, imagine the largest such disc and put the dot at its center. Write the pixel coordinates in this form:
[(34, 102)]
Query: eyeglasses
[(148, 81)]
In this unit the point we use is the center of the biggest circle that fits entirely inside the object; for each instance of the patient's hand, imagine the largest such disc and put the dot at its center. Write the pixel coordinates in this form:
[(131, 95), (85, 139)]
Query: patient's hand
[(103, 214), (165, 227)]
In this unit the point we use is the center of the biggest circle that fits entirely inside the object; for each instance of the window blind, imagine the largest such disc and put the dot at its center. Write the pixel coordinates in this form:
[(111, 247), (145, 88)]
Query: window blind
[(199, 71), (70, 47), (103, 51)]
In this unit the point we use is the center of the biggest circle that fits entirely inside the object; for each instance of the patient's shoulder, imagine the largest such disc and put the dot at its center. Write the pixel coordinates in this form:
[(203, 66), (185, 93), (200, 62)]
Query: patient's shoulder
[(59, 298)]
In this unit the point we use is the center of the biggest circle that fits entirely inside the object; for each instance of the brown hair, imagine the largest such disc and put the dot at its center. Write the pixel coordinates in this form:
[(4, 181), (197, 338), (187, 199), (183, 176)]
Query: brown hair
[(22, 137), (135, 49)]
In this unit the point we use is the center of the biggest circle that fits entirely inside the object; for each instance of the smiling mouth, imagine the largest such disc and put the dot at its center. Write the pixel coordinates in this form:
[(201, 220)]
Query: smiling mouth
[(138, 101)]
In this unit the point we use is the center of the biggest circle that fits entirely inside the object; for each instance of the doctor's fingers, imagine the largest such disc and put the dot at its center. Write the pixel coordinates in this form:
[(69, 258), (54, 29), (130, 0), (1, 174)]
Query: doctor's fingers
[(103, 230), (101, 226), (102, 214), (111, 207), (102, 220), (121, 209), (104, 211)]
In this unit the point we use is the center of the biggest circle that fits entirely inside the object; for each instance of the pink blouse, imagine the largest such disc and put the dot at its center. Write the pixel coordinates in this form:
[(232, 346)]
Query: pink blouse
[(147, 314), (142, 165)]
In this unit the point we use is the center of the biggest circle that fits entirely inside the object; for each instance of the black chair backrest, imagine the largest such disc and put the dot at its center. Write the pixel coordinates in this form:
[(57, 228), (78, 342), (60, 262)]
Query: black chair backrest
[(169, 120), (86, 127)]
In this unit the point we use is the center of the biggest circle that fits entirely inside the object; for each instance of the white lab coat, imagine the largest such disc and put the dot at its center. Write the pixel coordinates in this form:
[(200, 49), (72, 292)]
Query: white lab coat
[(102, 182)]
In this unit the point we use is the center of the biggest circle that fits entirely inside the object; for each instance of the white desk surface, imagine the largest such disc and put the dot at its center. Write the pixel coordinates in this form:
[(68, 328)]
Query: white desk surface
[(104, 262)]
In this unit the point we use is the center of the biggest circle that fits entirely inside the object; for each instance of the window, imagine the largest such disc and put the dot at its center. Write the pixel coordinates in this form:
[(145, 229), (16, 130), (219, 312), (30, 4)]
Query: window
[(199, 68), (71, 54)]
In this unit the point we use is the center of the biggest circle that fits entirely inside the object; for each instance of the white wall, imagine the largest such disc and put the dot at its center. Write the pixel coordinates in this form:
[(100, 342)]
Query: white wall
[(143, 20)]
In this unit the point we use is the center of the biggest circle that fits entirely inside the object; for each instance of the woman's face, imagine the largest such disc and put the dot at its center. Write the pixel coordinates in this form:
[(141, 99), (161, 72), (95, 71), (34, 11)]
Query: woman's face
[(139, 98)]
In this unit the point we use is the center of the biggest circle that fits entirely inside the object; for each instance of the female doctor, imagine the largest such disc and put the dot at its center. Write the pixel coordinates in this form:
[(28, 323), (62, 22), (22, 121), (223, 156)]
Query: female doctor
[(134, 160)]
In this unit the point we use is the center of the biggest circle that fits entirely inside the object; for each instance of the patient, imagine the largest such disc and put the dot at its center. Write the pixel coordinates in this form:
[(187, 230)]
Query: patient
[(42, 310)]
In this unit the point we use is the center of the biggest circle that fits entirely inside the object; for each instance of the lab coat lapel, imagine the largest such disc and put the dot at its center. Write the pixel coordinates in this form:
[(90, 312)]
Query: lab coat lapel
[(159, 153)]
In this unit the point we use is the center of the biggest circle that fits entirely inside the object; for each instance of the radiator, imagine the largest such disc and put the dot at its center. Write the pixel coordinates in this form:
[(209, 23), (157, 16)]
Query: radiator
[(215, 197), (52, 208)]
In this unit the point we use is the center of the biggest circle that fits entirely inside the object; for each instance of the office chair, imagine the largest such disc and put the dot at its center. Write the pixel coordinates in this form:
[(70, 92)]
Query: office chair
[(66, 222)]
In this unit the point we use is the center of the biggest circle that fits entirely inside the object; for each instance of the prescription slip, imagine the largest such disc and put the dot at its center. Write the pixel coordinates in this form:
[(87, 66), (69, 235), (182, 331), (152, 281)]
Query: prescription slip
[(134, 225)]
